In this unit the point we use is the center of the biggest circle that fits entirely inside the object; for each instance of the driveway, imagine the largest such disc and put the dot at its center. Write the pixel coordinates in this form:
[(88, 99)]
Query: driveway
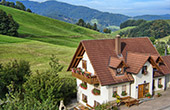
[(158, 103)]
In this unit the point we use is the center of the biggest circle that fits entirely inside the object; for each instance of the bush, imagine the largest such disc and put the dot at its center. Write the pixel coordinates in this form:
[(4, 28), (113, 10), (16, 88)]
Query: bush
[(15, 72)]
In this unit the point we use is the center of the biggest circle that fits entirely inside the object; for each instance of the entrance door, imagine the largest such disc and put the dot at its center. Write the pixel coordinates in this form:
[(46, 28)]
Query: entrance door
[(143, 90), (140, 91)]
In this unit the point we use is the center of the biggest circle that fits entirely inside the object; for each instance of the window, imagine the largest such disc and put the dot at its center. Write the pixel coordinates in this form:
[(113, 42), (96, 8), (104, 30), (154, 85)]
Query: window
[(124, 88), (84, 98), (120, 71), (84, 64), (114, 89), (144, 70), (159, 81), (96, 103)]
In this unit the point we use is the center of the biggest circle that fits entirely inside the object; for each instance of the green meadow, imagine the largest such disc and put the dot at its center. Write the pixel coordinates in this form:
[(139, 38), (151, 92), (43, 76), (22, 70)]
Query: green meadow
[(42, 37)]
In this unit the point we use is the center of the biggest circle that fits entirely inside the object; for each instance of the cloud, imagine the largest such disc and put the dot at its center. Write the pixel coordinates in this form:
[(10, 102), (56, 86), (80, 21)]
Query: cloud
[(128, 7)]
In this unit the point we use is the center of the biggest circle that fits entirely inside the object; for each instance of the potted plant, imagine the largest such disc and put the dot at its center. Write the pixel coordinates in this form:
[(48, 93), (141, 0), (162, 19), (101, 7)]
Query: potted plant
[(114, 94), (96, 91), (83, 85), (160, 86), (74, 70), (118, 100), (78, 70), (148, 95), (84, 100), (159, 94), (123, 93), (87, 75)]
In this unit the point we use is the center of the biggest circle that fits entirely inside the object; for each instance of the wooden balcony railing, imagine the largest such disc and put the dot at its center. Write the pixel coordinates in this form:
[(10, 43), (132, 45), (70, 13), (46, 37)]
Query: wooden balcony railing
[(90, 79)]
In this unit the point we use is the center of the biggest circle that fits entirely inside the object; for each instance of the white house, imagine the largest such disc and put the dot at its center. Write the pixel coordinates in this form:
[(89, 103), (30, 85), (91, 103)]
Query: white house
[(125, 67)]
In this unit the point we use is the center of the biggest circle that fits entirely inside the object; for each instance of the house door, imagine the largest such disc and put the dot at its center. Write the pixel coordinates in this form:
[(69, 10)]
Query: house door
[(143, 90), (140, 91)]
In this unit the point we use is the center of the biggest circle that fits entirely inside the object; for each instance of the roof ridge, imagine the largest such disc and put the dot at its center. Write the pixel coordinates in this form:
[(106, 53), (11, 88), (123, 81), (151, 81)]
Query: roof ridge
[(114, 38)]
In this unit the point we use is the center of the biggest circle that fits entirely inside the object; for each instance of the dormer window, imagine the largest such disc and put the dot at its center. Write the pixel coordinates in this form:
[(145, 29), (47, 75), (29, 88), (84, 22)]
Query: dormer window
[(144, 70), (120, 71)]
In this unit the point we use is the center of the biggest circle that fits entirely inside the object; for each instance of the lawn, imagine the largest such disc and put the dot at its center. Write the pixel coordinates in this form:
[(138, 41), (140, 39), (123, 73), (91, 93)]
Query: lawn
[(37, 53)]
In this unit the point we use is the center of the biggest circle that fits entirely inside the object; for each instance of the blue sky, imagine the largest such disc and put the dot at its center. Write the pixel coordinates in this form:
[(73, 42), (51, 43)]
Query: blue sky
[(127, 7)]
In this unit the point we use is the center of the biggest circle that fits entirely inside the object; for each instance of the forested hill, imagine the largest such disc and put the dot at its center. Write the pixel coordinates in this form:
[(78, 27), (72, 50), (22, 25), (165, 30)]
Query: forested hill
[(72, 13)]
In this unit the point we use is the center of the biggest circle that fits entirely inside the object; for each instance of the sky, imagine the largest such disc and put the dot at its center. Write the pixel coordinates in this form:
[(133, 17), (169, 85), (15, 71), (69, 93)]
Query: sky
[(127, 7)]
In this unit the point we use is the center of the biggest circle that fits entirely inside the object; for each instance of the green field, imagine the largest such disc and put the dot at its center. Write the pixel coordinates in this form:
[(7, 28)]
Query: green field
[(42, 37), (37, 53), (33, 26), (121, 30)]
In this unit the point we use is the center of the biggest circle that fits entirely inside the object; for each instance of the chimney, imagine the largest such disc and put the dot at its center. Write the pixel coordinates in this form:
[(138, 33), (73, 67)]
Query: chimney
[(118, 45)]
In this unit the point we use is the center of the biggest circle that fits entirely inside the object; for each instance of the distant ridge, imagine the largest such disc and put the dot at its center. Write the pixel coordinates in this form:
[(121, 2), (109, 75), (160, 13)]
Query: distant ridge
[(71, 13)]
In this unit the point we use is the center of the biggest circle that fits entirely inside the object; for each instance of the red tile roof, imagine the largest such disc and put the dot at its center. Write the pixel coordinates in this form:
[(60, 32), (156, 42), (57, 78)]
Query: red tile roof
[(136, 61), (114, 62), (100, 52), (166, 69)]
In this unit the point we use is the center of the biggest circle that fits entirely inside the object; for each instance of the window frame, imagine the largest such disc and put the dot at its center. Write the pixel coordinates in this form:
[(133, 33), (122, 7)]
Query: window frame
[(144, 69), (124, 87), (84, 97), (84, 64), (96, 103), (115, 88)]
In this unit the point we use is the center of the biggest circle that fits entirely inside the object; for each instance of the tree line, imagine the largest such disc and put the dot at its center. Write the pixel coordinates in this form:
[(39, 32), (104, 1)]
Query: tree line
[(17, 5), (132, 23), (7, 24), (22, 89), (82, 23), (156, 29)]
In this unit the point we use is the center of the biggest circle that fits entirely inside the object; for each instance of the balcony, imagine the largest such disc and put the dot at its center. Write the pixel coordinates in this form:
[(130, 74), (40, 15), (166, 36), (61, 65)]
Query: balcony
[(84, 76)]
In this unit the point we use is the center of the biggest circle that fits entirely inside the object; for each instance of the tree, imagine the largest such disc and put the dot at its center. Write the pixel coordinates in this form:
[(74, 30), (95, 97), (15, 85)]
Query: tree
[(16, 72), (7, 25), (152, 40), (12, 27), (29, 10), (105, 30), (81, 23), (49, 85), (160, 46), (20, 6), (95, 26)]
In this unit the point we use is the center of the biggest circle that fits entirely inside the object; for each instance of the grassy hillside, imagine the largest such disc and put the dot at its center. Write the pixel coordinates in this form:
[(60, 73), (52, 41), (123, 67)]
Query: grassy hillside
[(121, 30), (36, 26), (37, 53), (42, 37)]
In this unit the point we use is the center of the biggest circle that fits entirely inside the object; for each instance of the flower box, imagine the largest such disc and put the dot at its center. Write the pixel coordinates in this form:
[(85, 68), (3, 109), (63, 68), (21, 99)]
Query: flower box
[(83, 85), (114, 94), (96, 91), (123, 93), (148, 95), (160, 86)]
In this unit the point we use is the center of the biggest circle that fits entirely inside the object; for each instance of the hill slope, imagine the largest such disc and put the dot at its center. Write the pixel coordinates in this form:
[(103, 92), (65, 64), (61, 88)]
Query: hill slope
[(37, 53), (71, 13), (34, 26)]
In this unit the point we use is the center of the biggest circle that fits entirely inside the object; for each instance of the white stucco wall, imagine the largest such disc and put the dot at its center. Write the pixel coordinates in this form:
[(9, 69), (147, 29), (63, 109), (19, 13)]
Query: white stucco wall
[(119, 90), (102, 98), (167, 82), (89, 65), (106, 93), (162, 82), (140, 78)]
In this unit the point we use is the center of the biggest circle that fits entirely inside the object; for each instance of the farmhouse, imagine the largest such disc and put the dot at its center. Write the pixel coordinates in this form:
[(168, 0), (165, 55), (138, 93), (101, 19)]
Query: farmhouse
[(125, 67)]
